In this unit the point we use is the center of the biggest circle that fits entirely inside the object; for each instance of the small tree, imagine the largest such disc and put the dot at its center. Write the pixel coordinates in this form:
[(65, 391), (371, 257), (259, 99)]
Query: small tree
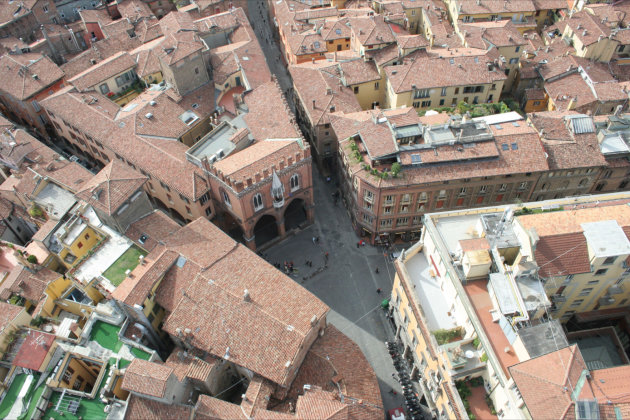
[(396, 169), (32, 259)]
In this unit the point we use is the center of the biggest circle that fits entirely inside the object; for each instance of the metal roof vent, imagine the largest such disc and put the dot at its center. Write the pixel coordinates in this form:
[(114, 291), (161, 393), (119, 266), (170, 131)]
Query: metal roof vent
[(246, 296), (149, 115)]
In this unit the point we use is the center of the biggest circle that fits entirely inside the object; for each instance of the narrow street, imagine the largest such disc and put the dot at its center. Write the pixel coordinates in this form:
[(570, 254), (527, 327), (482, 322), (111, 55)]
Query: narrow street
[(263, 27)]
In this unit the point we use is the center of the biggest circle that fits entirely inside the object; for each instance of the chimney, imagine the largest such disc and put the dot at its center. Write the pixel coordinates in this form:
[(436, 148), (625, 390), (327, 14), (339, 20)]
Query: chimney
[(571, 103), (246, 296), (335, 56), (313, 103), (313, 60)]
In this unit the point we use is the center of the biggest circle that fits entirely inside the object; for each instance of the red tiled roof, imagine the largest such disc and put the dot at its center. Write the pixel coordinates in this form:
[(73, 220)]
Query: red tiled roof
[(546, 382), (111, 187), (33, 350), (139, 408), (438, 71), (28, 284), (154, 227), (148, 378), (134, 289), (268, 115), (24, 75), (108, 68), (322, 86), (8, 313)]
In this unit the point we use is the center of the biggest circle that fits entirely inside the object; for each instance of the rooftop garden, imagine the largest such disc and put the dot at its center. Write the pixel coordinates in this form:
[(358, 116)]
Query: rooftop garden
[(127, 261), (526, 210), (478, 110), (476, 400), (447, 336)]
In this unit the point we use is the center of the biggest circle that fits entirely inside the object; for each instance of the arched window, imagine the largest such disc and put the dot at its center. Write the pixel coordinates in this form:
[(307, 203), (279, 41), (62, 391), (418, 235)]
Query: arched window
[(258, 203), (295, 182), (226, 198), (583, 182)]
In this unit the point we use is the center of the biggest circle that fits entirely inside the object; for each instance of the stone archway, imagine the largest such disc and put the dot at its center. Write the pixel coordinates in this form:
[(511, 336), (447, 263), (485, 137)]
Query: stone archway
[(265, 229), (295, 214)]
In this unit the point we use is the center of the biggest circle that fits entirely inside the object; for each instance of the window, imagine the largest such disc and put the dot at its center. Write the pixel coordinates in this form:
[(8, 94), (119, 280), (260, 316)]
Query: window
[(425, 104), (607, 174), (577, 302), (204, 198), (188, 211), (462, 191), (422, 197), (522, 185), (80, 245), (386, 223), (258, 203), (295, 182), (444, 91), (208, 211), (514, 60), (184, 199), (441, 101), (416, 220), (376, 85), (86, 236), (585, 292), (226, 198), (36, 106), (170, 199), (389, 199), (104, 88), (422, 93), (609, 260), (368, 195), (367, 218), (402, 221), (483, 189), (356, 89), (601, 271), (367, 205), (164, 186), (416, 104), (387, 209)]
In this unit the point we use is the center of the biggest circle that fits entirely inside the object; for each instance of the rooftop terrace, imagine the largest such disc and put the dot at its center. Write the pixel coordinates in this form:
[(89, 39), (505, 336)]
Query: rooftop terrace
[(434, 305)]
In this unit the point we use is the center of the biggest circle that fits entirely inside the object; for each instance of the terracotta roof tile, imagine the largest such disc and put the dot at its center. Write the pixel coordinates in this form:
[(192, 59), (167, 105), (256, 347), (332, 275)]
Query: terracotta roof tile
[(372, 30), (8, 313), (268, 115), (148, 230), (162, 159), (322, 86), (433, 71), (148, 378), (34, 350), (359, 71), (24, 75), (179, 45), (482, 7), (256, 158), (586, 27), (29, 284), (134, 290), (565, 149), (543, 381), (254, 325), (139, 408), (111, 187), (102, 71)]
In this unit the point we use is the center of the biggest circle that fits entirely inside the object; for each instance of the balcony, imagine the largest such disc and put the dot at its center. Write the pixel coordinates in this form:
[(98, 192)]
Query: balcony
[(464, 358), (615, 289)]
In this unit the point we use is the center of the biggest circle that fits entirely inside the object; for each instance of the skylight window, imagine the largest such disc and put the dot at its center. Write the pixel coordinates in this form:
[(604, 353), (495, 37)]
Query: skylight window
[(498, 127), (505, 146), (338, 31), (514, 146)]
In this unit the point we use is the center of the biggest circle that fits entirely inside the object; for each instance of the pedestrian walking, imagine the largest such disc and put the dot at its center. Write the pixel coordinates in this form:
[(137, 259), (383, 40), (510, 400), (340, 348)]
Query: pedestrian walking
[(326, 256), (314, 240), (376, 270), (358, 244), (379, 290)]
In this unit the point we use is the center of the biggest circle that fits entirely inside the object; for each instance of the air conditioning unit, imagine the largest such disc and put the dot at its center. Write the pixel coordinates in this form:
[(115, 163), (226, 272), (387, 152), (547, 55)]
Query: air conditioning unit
[(152, 103), (149, 116)]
